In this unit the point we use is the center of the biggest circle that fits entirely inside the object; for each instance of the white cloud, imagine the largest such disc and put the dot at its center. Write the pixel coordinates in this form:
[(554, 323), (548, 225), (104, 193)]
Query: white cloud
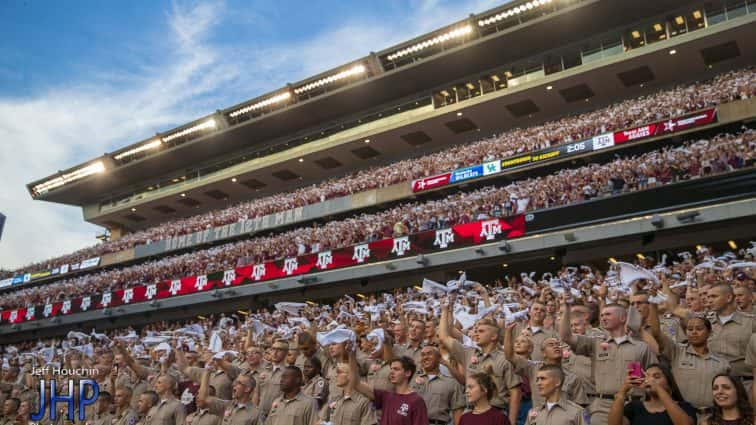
[(66, 126)]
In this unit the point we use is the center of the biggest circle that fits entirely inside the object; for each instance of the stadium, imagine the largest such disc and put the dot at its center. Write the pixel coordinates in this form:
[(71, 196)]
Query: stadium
[(544, 148)]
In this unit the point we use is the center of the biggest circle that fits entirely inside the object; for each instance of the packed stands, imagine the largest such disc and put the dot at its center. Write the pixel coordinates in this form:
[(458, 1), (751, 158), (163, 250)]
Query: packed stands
[(699, 158)]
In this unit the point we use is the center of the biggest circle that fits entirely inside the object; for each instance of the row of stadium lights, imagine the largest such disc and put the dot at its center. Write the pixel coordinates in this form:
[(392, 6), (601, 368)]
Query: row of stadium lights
[(513, 11)]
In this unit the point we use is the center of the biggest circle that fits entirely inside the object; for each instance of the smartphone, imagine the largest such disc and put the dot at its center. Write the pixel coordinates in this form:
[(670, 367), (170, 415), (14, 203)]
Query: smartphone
[(634, 368)]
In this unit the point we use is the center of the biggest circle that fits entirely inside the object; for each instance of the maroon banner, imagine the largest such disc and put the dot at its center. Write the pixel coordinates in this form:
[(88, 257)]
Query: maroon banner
[(665, 127), (387, 249), (428, 183)]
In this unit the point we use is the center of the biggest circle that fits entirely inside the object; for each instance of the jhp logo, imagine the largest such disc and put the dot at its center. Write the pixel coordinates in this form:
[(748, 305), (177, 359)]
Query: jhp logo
[(84, 399)]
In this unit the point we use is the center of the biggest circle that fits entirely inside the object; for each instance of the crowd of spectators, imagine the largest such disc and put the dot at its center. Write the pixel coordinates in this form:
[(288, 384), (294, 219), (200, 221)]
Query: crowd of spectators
[(693, 159), (727, 87), (664, 341)]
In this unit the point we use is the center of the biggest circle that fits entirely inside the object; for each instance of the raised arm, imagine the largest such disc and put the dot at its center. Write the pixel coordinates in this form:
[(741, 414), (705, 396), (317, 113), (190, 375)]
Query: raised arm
[(565, 332), (509, 341), (355, 381), (133, 364)]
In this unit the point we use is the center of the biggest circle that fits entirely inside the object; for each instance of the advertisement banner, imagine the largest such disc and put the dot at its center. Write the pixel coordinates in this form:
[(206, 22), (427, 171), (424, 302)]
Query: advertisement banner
[(386, 249), (430, 182), (466, 173), (673, 125), (6, 283), (91, 262), (603, 141)]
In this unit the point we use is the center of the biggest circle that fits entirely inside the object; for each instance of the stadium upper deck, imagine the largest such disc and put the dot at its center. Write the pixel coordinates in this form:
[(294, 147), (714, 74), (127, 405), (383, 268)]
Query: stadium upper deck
[(410, 95)]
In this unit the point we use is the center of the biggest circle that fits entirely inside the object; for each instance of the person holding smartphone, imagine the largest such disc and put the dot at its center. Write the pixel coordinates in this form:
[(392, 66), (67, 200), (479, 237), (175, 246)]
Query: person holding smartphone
[(663, 405)]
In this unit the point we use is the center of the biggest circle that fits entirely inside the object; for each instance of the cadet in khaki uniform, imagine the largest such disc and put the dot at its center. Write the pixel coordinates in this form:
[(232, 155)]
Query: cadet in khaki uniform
[(535, 328), (315, 385), (168, 410), (220, 377), (102, 414), (443, 396), (731, 330), (240, 410), (10, 410), (124, 414), (350, 408), (292, 407), (572, 387), (555, 409), (692, 363), (202, 415), (609, 358), (270, 377), (488, 359)]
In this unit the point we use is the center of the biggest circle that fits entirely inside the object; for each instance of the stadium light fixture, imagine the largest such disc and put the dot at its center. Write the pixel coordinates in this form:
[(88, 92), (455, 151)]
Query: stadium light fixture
[(441, 38), (549, 87), (697, 14), (301, 160), (512, 12), (205, 125), (732, 244), (183, 195), (367, 140), (261, 104), (133, 209), (355, 70), (93, 168), (673, 52), (145, 147), (552, 258), (233, 180), (640, 256), (679, 20), (504, 265), (612, 260), (459, 114)]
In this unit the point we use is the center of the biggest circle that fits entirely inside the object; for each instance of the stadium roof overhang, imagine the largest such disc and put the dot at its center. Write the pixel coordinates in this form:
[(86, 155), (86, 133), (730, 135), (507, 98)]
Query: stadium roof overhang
[(574, 23), (483, 115)]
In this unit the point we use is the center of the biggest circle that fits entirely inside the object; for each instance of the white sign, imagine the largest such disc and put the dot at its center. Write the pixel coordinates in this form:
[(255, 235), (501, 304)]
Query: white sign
[(325, 259), (401, 245)]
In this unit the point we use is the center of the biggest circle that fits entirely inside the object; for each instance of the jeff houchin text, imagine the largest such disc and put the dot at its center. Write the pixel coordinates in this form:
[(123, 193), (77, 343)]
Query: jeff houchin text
[(62, 371)]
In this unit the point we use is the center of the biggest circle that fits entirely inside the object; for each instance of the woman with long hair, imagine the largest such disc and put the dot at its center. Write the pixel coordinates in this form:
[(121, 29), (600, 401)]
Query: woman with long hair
[(663, 404), (480, 388), (731, 405)]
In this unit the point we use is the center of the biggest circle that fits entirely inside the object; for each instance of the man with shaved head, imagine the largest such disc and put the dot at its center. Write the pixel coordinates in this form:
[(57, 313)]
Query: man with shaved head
[(731, 330), (610, 356), (239, 410)]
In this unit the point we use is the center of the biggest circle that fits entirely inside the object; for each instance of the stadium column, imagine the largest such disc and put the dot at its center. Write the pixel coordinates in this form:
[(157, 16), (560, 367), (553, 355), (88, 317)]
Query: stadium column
[(221, 121), (374, 65)]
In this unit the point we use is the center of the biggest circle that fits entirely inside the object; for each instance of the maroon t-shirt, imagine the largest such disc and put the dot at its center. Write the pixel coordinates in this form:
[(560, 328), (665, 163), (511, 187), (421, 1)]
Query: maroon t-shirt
[(400, 409), (491, 416)]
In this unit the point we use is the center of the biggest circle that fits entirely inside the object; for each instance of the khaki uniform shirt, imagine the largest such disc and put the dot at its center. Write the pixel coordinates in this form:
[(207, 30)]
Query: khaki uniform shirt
[(301, 410), (126, 417), (442, 395), (269, 387), (233, 413), (409, 351), (354, 409), (219, 380), (317, 389), (563, 412), (378, 375), (730, 341), (494, 363), (537, 337), (750, 359), (609, 360), (694, 372), (203, 417), (104, 419), (572, 387), (319, 353), (166, 412)]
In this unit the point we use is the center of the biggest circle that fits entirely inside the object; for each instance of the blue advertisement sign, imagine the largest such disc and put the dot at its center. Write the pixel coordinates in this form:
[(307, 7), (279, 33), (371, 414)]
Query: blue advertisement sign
[(466, 173)]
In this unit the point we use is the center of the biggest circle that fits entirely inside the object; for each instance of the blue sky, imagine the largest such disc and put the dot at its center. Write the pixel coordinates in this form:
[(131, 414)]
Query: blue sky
[(80, 78)]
